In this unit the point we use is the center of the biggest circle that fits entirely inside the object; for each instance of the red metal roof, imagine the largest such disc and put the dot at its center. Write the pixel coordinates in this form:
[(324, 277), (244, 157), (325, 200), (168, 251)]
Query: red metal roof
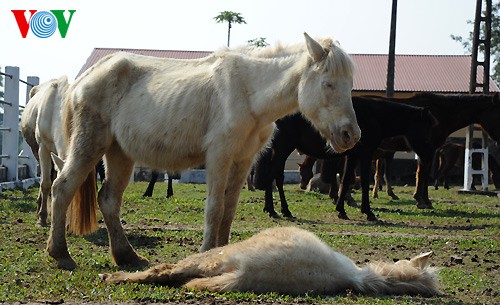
[(413, 73)]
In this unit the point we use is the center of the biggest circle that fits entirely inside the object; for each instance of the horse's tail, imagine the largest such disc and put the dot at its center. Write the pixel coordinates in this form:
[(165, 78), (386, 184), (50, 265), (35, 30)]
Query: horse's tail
[(81, 217), (82, 212), (399, 279)]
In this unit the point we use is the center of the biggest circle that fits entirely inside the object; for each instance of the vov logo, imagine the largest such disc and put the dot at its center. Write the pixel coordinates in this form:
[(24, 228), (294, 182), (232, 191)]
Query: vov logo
[(43, 24)]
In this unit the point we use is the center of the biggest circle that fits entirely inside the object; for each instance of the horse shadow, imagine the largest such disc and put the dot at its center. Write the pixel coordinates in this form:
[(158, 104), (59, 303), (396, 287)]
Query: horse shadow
[(137, 240)]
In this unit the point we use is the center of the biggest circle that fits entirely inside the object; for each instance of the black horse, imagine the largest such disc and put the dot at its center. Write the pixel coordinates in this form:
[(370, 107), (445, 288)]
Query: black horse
[(154, 178), (377, 118), (454, 112)]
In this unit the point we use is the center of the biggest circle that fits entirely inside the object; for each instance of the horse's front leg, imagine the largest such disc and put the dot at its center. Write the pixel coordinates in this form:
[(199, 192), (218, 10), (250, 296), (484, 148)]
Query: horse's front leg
[(280, 180), (421, 194), (387, 172), (237, 177), (118, 170), (151, 185), (376, 178), (217, 167), (350, 164), (365, 187), (170, 189)]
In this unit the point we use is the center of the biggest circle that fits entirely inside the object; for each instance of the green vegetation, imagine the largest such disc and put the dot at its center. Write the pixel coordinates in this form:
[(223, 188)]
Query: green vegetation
[(462, 230)]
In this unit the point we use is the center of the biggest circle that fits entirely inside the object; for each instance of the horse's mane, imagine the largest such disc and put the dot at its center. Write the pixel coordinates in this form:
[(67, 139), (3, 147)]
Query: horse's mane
[(337, 59)]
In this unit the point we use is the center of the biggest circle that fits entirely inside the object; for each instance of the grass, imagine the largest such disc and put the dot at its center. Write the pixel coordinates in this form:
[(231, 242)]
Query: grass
[(462, 230)]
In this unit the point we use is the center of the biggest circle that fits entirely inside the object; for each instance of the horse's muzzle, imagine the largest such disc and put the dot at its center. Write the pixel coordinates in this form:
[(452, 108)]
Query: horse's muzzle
[(345, 137)]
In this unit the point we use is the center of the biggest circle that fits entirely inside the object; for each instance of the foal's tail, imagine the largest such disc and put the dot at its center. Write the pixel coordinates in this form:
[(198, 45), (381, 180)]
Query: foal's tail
[(399, 279)]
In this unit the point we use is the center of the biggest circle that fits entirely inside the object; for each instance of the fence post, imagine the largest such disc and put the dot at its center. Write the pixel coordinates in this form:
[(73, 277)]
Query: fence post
[(27, 153), (10, 139)]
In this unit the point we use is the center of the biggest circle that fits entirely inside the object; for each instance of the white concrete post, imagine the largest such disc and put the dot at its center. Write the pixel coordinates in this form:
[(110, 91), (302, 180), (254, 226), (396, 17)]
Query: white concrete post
[(10, 140)]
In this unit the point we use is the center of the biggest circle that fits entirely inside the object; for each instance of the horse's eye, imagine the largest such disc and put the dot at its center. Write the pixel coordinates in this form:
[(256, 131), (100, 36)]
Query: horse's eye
[(327, 85)]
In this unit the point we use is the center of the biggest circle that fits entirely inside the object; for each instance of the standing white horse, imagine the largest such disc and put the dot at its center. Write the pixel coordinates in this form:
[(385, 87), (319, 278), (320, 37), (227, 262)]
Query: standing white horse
[(291, 261), (176, 114), (41, 125)]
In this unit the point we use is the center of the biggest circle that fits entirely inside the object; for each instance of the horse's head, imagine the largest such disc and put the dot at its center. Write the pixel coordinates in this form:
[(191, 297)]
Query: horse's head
[(306, 174), (325, 94)]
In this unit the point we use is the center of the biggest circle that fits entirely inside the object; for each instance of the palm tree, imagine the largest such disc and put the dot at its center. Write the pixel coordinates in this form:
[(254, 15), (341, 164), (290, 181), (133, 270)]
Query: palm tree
[(230, 17)]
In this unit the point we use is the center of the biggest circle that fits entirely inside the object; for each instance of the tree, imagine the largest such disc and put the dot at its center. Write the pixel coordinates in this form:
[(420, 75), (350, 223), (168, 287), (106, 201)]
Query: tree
[(258, 42), (495, 41), (230, 18)]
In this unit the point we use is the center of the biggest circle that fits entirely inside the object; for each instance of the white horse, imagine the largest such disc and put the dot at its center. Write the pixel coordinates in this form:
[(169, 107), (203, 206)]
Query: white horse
[(289, 261), (176, 114), (41, 126)]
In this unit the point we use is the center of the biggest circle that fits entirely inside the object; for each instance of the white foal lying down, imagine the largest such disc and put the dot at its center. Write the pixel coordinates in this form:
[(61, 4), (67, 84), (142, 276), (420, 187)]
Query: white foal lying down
[(289, 261)]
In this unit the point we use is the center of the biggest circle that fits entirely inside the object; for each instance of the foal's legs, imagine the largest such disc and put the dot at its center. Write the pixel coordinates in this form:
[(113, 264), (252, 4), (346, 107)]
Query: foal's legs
[(207, 264), (118, 170), (45, 185)]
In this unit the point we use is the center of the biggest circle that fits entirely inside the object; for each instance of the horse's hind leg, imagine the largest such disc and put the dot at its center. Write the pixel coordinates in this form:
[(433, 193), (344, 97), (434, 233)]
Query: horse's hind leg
[(207, 264), (159, 274), (45, 186), (118, 170), (72, 175)]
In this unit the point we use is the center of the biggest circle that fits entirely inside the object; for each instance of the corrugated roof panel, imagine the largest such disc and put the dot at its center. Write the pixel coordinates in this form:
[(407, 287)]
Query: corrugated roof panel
[(413, 73)]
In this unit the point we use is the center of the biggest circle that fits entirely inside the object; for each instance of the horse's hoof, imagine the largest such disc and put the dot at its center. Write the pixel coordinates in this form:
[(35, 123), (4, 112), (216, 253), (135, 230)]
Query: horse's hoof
[(352, 203), (147, 195), (371, 217), (135, 261), (66, 264), (274, 215), (343, 216), (394, 197), (42, 223), (290, 217), (424, 205)]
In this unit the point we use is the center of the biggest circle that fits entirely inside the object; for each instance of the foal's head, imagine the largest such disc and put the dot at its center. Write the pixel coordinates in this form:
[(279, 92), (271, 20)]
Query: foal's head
[(325, 94)]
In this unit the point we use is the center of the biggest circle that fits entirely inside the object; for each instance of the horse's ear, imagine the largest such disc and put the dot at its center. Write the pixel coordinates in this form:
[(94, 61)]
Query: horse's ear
[(34, 90), (315, 49), (58, 162), (421, 261)]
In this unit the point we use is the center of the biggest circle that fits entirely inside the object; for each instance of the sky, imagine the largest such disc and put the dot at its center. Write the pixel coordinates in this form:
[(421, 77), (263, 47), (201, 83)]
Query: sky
[(361, 27)]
